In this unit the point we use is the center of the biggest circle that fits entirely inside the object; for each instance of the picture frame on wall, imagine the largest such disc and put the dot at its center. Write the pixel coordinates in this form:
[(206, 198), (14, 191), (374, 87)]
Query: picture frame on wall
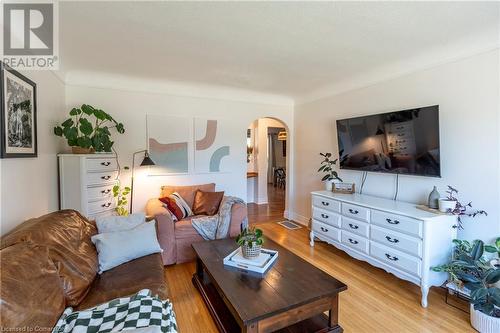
[(18, 115)]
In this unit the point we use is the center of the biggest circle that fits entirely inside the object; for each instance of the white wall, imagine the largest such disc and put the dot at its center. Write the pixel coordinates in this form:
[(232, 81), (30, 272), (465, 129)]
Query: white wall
[(467, 92), (131, 107), (29, 185)]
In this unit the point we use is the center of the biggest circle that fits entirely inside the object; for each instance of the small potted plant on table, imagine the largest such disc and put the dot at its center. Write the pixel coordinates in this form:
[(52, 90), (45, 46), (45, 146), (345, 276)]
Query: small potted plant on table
[(328, 167), (250, 240), (474, 275)]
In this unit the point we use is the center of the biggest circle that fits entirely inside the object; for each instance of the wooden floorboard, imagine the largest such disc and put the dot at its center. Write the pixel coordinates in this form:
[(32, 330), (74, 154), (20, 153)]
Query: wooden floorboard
[(376, 301)]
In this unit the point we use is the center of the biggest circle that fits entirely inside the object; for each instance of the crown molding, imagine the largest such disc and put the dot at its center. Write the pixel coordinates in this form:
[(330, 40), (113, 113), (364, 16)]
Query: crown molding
[(103, 80)]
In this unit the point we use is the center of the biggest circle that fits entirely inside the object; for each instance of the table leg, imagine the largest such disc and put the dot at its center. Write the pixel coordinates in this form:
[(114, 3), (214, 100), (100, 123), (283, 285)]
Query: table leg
[(252, 328), (333, 316)]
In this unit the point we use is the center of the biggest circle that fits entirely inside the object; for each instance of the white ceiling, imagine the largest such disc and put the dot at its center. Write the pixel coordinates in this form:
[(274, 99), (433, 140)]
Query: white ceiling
[(295, 49)]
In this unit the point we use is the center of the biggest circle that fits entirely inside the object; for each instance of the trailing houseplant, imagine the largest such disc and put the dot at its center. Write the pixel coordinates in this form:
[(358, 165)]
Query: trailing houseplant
[(468, 268), (88, 129), (328, 168), (457, 208), (121, 199), (250, 240)]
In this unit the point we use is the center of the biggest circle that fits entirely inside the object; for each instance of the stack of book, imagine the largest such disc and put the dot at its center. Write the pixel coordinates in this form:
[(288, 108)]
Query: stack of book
[(258, 265)]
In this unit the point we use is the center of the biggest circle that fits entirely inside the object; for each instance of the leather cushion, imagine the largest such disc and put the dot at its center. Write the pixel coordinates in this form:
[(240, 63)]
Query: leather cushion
[(126, 279), (66, 234), (31, 290), (186, 192), (207, 203)]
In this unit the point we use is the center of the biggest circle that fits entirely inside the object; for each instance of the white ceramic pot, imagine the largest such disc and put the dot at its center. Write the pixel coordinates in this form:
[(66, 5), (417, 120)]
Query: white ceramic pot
[(446, 205), (482, 322), (328, 185)]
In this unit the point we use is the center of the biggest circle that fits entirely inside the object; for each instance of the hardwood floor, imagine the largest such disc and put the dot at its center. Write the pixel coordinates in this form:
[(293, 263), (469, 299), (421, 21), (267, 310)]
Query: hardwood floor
[(375, 301), (270, 212)]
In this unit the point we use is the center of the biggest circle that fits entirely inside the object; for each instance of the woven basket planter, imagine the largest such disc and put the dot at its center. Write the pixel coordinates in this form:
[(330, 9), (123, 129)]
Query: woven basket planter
[(251, 252)]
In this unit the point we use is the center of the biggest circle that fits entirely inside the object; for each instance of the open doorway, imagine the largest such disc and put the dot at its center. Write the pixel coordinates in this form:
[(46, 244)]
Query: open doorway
[(266, 170)]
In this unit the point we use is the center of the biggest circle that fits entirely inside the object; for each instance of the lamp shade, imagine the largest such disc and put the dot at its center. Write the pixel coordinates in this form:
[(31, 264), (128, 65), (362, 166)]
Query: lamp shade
[(147, 161)]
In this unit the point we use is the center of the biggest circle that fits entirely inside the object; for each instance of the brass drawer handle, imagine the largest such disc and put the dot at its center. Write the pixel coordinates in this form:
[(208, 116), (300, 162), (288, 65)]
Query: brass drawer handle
[(392, 222), (392, 240), (391, 257)]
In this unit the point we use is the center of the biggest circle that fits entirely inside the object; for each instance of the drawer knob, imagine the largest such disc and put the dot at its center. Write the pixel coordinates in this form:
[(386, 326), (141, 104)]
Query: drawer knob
[(324, 203), (392, 221), (105, 177), (353, 226), (392, 240), (353, 211), (324, 229), (106, 205), (106, 191), (105, 163), (352, 241), (324, 216), (393, 258)]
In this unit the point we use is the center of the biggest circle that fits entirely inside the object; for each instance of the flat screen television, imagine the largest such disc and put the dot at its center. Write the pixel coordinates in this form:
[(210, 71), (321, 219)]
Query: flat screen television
[(403, 142)]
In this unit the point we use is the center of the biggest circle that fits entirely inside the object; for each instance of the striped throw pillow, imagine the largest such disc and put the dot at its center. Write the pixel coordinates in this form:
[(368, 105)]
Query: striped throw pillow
[(177, 206)]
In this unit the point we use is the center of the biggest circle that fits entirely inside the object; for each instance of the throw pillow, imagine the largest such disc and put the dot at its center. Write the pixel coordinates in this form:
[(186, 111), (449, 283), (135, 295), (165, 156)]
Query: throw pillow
[(116, 248), (177, 206), (119, 223), (207, 203)]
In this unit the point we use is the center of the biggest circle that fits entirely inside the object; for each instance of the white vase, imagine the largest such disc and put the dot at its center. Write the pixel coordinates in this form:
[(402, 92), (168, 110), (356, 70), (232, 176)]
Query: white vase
[(328, 185), (484, 323), (446, 205)]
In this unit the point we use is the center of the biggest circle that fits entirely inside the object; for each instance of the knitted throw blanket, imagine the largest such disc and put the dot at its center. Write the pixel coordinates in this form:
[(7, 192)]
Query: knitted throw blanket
[(217, 226)]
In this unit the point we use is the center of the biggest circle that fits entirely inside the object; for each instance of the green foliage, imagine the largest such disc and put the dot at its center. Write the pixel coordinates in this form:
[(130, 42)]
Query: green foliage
[(495, 248), (250, 236), (89, 127), (121, 199), (328, 167), (469, 269)]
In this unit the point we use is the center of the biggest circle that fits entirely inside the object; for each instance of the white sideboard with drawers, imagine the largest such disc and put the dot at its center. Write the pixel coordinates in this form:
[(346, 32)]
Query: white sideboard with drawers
[(393, 235), (86, 183)]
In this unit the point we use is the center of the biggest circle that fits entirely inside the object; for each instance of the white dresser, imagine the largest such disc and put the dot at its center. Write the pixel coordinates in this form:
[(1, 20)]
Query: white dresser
[(392, 235), (86, 183)]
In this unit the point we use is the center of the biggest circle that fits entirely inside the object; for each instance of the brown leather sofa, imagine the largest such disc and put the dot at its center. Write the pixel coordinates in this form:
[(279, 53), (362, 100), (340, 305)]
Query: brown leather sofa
[(50, 263), (176, 238)]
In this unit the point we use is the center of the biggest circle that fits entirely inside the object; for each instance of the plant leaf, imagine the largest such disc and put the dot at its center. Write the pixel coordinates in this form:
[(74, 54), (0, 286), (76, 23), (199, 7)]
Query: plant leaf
[(492, 276)]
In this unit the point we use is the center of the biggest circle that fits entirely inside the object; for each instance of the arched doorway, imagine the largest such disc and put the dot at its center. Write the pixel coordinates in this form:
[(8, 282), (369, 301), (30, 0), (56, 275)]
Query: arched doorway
[(267, 170)]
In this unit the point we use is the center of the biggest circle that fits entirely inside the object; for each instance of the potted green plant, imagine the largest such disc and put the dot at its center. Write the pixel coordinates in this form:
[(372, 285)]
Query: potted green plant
[(328, 168), (450, 204), (471, 272), (250, 240), (88, 130)]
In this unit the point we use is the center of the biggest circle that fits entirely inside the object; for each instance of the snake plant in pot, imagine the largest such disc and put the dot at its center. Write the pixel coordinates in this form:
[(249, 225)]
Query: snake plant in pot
[(470, 271), (88, 129), (250, 240)]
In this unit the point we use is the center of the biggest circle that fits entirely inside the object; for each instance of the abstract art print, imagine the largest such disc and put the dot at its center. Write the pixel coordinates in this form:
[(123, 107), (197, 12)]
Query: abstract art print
[(18, 114), (211, 151), (170, 144)]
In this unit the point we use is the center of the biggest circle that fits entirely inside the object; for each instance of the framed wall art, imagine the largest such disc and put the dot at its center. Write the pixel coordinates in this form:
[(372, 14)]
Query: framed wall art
[(18, 115)]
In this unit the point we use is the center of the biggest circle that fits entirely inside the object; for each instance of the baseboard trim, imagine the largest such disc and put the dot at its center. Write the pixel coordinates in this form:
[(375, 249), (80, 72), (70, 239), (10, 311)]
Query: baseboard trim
[(298, 218)]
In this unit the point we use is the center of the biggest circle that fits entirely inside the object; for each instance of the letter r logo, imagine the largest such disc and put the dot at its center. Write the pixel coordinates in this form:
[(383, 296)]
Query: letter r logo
[(28, 29)]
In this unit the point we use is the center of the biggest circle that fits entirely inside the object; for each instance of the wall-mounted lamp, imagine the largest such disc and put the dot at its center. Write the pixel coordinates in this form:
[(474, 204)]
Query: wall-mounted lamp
[(146, 161)]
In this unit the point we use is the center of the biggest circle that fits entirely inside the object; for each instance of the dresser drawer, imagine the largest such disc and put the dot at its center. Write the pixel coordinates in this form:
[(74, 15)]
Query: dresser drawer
[(101, 205), (396, 240), (399, 223), (357, 227), (396, 258), (102, 178), (101, 214), (326, 230), (355, 211), (325, 203), (355, 241), (102, 164), (100, 192), (327, 217)]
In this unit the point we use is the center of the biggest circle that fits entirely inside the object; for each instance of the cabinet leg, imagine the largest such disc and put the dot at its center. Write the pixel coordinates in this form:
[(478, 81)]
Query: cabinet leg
[(311, 237), (425, 293)]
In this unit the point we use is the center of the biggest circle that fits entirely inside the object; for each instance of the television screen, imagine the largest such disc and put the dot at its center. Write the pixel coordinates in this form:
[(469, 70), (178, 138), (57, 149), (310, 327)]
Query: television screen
[(404, 142)]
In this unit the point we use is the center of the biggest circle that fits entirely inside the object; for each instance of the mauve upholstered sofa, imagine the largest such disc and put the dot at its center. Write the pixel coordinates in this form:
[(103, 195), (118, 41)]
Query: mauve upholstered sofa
[(176, 238)]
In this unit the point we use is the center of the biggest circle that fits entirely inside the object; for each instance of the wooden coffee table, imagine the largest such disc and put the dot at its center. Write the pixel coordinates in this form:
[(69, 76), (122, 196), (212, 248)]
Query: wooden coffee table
[(291, 297)]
